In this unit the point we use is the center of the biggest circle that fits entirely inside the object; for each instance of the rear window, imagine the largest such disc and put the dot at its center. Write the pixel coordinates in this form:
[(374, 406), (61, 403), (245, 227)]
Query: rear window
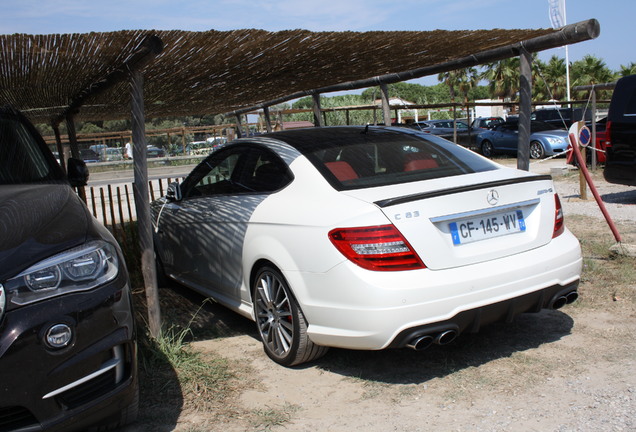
[(382, 157), (22, 156)]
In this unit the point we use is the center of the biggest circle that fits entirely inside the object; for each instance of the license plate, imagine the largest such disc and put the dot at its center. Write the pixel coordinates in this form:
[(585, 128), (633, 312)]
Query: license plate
[(487, 226)]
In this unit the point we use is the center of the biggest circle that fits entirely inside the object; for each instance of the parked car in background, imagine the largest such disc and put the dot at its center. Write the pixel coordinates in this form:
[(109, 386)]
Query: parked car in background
[(545, 140), (364, 238), (111, 154), (154, 152), (486, 122), (620, 132), (89, 156), (68, 353), (447, 129), (561, 118)]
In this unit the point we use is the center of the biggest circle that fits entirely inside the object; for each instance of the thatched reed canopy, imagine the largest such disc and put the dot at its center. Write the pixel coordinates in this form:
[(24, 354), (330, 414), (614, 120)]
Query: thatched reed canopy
[(215, 72)]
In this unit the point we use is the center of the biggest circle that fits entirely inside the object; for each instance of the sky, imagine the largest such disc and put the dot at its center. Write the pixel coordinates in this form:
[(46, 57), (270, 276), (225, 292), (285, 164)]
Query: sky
[(615, 45)]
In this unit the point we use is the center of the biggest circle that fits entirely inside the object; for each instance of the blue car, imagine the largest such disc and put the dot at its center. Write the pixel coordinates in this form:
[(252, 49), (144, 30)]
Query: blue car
[(504, 138)]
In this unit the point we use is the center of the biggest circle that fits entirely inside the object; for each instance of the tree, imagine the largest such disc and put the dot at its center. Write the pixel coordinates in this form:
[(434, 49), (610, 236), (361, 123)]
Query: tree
[(630, 69), (450, 79), (503, 78), (591, 70), (467, 80), (551, 82)]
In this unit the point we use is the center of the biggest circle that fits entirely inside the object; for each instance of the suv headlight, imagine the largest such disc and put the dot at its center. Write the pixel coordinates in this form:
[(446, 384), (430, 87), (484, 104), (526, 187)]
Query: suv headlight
[(78, 269)]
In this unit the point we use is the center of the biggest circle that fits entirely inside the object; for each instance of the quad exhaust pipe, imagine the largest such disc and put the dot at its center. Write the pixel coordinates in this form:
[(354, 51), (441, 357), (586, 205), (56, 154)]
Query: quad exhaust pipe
[(422, 342), (561, 300), (443, 337)]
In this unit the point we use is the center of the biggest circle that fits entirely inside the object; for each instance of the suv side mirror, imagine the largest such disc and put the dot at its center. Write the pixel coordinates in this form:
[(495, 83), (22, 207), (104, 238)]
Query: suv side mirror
[(173, 193), (77, 172)]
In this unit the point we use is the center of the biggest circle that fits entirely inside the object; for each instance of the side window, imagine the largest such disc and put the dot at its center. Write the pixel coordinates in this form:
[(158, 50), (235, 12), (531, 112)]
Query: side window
[(214, 175), (266, 172), (244, 169), (22, 160)]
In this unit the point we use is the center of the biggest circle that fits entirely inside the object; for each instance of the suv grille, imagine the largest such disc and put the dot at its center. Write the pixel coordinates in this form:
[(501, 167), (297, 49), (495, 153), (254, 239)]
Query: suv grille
[(12, 418), (89, 390)]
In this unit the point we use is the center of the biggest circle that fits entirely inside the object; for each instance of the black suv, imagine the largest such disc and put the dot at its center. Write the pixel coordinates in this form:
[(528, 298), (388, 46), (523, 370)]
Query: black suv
[(67, 332), (560, 118), (620, 134)]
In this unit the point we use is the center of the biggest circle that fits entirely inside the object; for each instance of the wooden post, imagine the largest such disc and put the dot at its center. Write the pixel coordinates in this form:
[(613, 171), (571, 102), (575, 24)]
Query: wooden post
[(72, 139), (386, 106), (454, 122), (58, 143), (525, 106), (183, 140), (317, 110), (239, 132), (582, 180), (142, 204), (268, 120), (593, 149)]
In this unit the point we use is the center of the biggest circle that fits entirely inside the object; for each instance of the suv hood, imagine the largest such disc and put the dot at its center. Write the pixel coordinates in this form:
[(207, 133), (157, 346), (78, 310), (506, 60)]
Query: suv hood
[(37, 221)]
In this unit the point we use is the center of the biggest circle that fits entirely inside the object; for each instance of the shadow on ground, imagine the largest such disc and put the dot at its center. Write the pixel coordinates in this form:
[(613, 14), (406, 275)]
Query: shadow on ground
[(495, 341), (398, 366)]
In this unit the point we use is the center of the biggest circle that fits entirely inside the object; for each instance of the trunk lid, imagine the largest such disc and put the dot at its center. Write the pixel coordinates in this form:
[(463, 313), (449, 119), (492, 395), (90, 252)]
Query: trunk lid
[(463, 220)]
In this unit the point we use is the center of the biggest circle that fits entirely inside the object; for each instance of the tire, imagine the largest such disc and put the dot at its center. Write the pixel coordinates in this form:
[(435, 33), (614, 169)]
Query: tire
[(487, 149), (280, 322), (536, 150)]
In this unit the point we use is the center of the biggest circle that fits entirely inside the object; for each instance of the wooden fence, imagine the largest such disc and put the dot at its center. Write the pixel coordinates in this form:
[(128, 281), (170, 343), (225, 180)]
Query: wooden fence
[(114, 206)]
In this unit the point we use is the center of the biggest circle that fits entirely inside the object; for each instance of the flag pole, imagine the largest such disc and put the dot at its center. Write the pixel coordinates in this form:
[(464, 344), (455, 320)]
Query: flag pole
[(567, 56)]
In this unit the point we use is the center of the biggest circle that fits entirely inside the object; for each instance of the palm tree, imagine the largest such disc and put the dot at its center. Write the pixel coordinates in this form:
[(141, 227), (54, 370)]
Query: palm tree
[(467, 79), (503, 78), (591, 70), (450, 79), (551, 81), (630, 69)]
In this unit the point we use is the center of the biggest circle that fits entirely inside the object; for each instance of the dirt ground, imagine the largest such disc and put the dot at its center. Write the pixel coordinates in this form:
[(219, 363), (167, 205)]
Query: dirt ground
[(573, 369)]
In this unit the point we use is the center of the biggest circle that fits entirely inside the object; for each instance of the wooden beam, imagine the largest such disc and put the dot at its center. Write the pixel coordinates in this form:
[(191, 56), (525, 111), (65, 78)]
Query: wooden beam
[(143, 54)]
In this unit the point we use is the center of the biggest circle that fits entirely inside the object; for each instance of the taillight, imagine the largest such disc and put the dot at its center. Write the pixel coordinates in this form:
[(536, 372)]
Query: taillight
[(559, 225), (608, 133), (380, 248)]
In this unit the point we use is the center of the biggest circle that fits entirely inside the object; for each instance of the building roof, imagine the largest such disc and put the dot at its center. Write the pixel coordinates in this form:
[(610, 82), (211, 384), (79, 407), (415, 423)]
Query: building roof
[(214, 72)]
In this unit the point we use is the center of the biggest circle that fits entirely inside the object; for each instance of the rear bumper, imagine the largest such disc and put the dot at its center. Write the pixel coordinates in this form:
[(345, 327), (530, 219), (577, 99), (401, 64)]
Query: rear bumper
[(349, 307), (505, 311)]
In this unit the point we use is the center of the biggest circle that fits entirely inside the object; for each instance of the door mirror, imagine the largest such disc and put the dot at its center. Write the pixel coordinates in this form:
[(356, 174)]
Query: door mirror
[(77, 172), (173, 193)]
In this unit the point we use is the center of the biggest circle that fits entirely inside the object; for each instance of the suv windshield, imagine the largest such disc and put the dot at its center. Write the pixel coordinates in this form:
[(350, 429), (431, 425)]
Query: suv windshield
[(24, 158)]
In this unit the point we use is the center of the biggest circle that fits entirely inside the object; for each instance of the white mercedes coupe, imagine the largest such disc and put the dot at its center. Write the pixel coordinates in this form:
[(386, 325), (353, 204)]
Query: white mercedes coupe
[(365, 238)]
